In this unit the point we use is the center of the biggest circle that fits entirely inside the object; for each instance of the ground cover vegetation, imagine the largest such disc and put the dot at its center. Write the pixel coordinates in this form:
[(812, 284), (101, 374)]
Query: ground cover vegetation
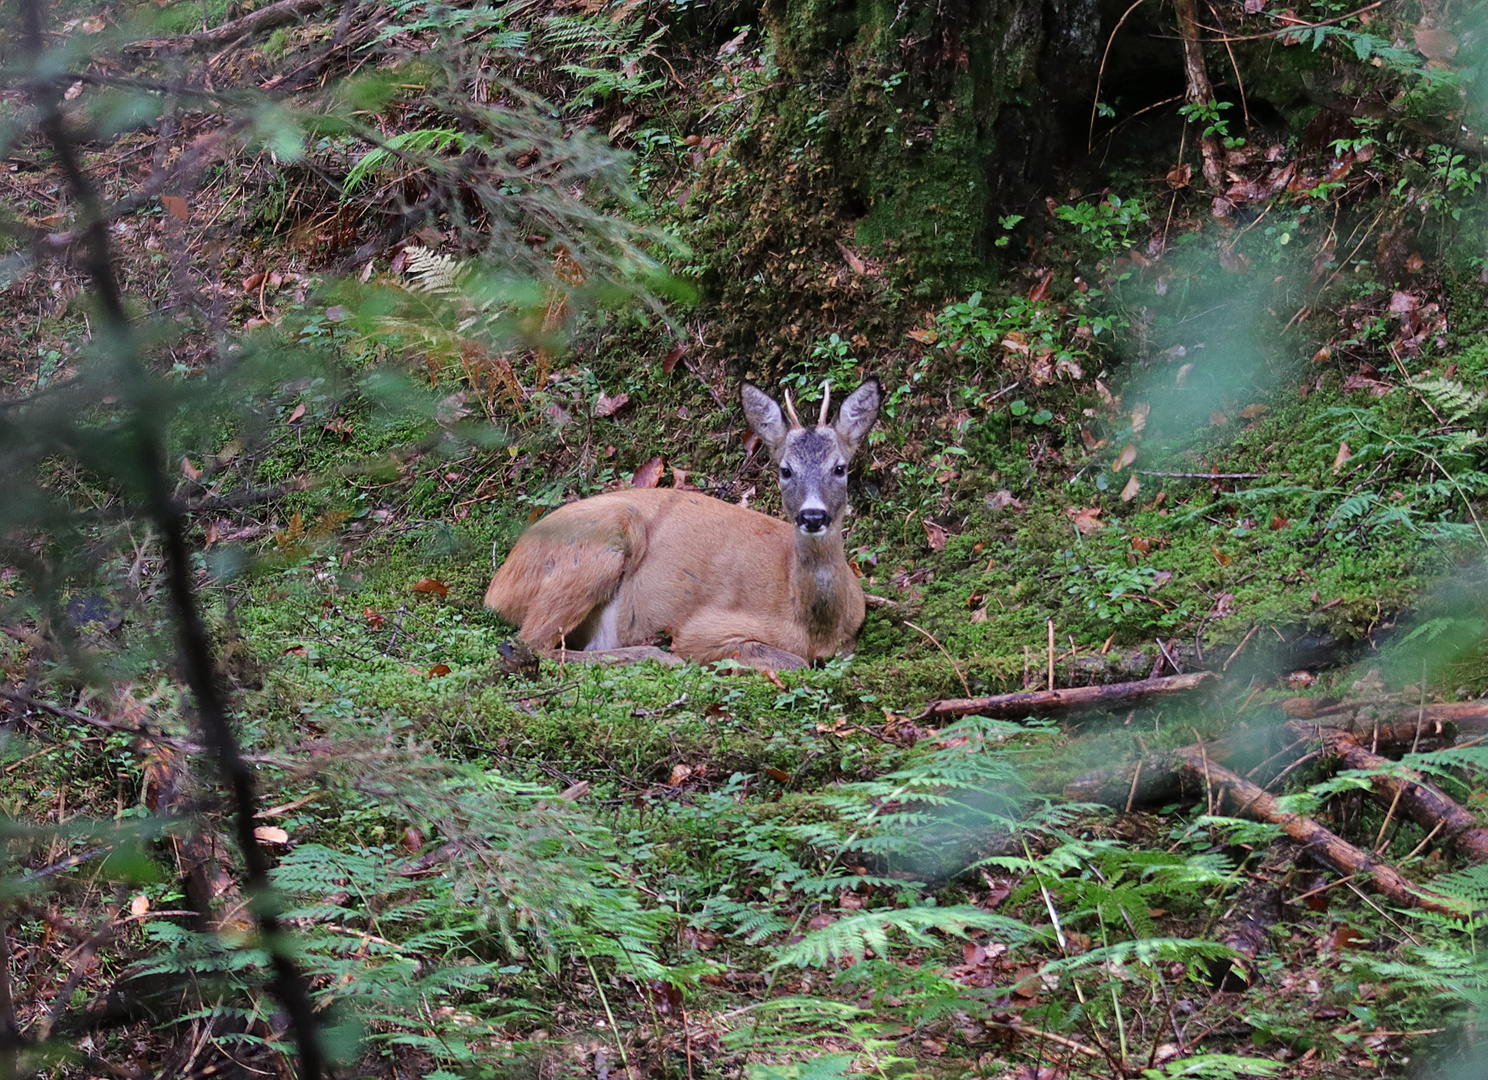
[(310, 308)]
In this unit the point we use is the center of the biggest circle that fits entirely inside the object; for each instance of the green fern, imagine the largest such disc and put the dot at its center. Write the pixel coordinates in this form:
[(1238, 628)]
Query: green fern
[(1454, 401), (852, 936)]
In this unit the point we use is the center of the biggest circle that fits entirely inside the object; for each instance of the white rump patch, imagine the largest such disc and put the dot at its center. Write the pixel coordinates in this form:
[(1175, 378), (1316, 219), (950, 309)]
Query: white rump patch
[(607, 630)]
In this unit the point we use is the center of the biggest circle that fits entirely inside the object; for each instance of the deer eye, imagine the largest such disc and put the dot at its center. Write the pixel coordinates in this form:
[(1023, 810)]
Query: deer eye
[(840, 470), (785, 472)]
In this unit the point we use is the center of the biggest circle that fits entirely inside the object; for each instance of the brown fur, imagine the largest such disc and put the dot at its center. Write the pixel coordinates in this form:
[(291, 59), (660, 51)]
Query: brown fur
[(731, 584), (620, 571)]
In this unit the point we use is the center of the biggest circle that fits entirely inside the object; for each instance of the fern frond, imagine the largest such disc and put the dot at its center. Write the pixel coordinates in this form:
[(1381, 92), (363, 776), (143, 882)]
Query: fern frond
[(855, 934)]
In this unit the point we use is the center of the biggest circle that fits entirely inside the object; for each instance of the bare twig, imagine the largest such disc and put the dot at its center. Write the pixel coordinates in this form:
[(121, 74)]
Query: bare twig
[(115, 332)]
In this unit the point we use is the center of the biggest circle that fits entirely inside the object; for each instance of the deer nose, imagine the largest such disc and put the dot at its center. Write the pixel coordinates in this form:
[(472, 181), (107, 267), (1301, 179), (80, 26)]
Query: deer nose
[(814, 521)]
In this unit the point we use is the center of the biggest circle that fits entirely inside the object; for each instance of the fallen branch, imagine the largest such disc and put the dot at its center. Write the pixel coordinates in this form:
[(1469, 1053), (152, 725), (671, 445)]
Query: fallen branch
[(275, 15), (1323, 844), (1468, 717), (1040, 702), (1426, 804)]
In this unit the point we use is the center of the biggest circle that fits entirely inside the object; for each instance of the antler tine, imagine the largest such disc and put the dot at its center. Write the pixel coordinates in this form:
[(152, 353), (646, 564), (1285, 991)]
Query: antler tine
[(826, 402), (790, 410)]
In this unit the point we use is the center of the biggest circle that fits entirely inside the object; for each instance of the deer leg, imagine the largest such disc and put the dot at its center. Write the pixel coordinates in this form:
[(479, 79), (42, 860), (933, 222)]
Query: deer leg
[(766, 657), (626, 654)]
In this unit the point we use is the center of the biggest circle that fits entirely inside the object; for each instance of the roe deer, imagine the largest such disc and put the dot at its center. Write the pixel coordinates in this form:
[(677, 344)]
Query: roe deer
[(615, 572)]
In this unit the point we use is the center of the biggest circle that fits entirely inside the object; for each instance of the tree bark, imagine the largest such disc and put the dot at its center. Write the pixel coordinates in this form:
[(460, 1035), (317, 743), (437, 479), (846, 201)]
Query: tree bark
[(1039, 702), (1323, 844), (1200, 89)]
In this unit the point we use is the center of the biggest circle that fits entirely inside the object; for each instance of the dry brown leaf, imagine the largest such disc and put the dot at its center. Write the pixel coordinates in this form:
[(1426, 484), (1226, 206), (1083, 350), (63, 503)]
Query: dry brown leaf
[(1179, 176), (1126, 457), (176, 207), (431, 586), (1085, 521), (1220, 557), (1341, 458), (609, 406), (679, 774), (190, 471), (297, 415), (1139, 415), (924, 337), (1435, 44), (438, 670), (1250, 412), (935, 535), (669, 361), (270, 834), (1218, 418), (853, 260), (139, 904), (649, 474), (1133, 486)]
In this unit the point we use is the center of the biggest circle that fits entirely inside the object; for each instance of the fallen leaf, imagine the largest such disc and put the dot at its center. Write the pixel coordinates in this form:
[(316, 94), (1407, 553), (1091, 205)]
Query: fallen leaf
[(191, 471), (1236, 262), (1250, 412), (669, 361), (1004, 499), (1224, 606), (935, 535), (924, 337), (679, 774), (857, 264), (1179, 176), (1085, 521), (679, 479), (1415, 263), (1254, 7), (139, 904), (1341, 458), (1092, 444), (1040, 288), (438, 670), (430, 585), (1133, 486), (1139, 415), (1278, 523), (1126, 457), (1181, 379), (779, 775), (1346, 937), (297, 415), (270, 834), (1218, 418), (649, 474), (1220, 557), (176, 207), (1435, 44), (609, 406), (1141, 545)]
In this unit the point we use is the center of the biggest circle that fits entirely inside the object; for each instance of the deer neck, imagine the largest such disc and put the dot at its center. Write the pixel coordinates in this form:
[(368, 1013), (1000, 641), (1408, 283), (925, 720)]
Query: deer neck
[(821, 579)]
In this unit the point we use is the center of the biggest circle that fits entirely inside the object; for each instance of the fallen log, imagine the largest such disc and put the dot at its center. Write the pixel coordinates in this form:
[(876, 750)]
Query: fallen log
[(1156, 776), (1469, 717), (271, 17), (1425, 803), (1323, 844), (1041, 702)]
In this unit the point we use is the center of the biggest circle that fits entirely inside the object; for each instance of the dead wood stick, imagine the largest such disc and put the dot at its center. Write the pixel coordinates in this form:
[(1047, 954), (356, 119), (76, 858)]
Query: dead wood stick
[(1038, 702), (1469, 717), (1326, 846), (1426, 804), (271, 17), (1200, 90), (1159, 776)]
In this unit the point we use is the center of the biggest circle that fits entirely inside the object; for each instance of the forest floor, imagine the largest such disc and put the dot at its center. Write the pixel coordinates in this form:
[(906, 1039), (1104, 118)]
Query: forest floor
[(1149, 443)]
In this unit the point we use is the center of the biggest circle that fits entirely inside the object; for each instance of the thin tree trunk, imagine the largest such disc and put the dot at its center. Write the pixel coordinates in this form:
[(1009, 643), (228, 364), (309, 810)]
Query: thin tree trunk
[(1200, 89)]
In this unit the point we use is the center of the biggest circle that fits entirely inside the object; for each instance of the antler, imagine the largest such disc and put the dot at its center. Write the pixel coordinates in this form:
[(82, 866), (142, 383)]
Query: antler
[(826, 402), (790, 410)]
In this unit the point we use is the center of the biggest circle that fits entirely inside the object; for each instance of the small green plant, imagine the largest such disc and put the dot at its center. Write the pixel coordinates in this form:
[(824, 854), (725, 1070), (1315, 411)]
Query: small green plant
[(1208, 114)]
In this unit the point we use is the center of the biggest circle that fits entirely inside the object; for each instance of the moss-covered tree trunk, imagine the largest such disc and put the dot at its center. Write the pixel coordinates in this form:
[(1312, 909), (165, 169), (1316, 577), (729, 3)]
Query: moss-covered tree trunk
[(897, 133)]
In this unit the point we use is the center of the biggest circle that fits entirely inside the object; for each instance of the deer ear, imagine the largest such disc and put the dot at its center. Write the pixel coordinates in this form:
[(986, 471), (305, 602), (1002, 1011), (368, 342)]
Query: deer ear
[(764, 416), (858, 413)]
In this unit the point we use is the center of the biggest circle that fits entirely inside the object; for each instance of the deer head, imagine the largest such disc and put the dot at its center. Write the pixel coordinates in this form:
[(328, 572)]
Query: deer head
[(812, 461)]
